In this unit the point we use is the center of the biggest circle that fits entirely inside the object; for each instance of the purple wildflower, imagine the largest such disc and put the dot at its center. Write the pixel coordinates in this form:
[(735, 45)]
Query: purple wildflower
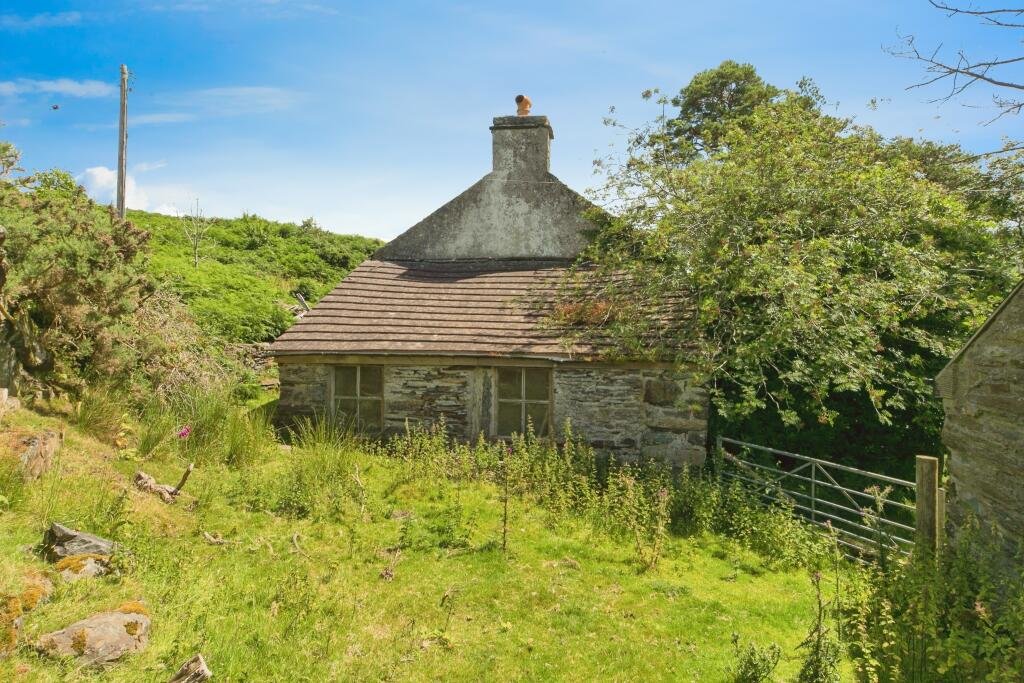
[(184, 432)]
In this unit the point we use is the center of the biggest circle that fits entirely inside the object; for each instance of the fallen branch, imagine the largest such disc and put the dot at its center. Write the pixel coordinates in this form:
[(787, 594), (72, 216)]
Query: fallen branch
[(168, 494), (184, 478), (216, 539), (298, 548)]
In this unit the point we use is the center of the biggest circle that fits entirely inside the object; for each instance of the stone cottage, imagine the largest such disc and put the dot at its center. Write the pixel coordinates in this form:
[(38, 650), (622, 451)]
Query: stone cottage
[(982, 391), (447, 321)]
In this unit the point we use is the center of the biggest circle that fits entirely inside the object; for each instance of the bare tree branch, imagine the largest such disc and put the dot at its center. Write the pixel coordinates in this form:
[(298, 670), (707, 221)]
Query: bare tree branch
[(965, 72), (986, 15)]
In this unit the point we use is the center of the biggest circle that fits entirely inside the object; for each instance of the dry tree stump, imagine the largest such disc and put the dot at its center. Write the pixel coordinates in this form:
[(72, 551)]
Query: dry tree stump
[(40, 452), (167, 493), (192, 671)]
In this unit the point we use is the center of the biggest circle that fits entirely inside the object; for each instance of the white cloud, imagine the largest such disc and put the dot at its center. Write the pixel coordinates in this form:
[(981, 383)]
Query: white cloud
[(166, 209), (101, 184), (59, 86), (168, 198), (16, 122), (43, 20), (268, 9), (240, 99), (148, 166), (161, 117)]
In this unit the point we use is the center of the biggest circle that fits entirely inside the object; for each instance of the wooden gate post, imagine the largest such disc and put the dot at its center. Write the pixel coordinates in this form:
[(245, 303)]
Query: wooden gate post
[(927, 512)]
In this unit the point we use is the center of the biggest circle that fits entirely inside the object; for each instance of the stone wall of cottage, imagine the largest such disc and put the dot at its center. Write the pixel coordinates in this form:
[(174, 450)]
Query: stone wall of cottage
[(625, 411), (631, 412), (304, 392), (422, 395), (983, 398)]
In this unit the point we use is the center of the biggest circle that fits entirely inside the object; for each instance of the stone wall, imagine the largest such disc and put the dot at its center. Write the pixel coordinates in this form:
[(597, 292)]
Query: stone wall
[(423, 394), (625, 411), (631, 412), (305, 390), (983, 398)]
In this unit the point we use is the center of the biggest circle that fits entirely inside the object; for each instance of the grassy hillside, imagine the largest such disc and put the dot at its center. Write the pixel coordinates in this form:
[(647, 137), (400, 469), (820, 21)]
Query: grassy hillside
[(249, 268), (344, 564)]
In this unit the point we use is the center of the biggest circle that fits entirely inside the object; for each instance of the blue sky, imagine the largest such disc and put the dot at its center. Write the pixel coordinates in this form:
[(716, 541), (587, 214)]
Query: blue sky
[(367, 116)]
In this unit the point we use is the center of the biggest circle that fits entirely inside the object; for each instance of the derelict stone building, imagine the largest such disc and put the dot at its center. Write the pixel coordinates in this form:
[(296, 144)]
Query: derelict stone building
[(982, 390), (446, 321)]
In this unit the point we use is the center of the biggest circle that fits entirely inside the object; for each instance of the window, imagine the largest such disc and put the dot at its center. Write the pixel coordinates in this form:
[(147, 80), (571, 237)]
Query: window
[(524, 397), (359, 396)]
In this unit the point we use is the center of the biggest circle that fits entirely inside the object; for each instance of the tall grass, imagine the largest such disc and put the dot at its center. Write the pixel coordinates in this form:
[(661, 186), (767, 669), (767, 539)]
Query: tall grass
[(155, 430), (206, 427), (643, 501), (12, 483), (102, 412)]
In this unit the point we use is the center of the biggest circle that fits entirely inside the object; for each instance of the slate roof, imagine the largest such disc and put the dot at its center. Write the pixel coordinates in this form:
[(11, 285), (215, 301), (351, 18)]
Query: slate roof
[(463, 308)]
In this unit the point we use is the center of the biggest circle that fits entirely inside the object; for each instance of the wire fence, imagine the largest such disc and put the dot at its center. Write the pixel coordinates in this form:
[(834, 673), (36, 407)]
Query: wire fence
[(868, 512)]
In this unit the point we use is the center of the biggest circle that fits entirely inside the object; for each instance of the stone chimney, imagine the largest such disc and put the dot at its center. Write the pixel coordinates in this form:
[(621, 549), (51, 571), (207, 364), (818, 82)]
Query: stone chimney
[(522, 145)]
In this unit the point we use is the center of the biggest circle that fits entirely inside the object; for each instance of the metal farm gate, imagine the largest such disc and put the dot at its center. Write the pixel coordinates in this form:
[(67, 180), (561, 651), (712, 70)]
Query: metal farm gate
[(868, 512)]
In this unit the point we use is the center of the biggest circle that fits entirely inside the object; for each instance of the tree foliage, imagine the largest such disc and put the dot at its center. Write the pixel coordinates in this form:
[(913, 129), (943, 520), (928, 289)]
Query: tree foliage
[(78, 304), (75, 276), (715, 100), (817, 274)]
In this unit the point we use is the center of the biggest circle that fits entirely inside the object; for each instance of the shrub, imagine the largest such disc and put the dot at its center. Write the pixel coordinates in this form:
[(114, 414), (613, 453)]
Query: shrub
[(636, 504), (754, 664), (821, 665)]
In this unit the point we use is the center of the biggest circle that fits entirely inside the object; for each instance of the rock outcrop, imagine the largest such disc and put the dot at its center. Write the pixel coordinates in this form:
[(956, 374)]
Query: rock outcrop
[(60, 542), (102, 638)]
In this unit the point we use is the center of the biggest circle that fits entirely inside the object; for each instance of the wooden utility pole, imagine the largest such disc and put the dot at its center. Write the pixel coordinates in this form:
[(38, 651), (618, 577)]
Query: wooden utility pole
[(122, 144)]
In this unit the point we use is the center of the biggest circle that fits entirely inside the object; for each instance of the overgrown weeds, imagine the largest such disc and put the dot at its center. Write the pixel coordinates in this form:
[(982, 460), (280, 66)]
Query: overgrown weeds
[(642, 501), (754, 664), (957, 617)]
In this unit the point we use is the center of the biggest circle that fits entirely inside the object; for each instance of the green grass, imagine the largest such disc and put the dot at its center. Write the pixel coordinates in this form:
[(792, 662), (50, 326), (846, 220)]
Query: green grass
[(297, 592), (248, 270)]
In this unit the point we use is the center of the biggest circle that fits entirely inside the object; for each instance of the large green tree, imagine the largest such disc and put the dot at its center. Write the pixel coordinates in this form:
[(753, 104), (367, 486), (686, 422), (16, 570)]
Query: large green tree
[(818, 275)]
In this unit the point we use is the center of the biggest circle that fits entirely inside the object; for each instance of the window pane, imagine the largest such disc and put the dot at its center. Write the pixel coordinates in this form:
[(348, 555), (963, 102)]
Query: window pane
[(510, 418), (345, 411), (369, 414), (540, 417), (510, 383), (537, 380), (345, 380), (370, 381)]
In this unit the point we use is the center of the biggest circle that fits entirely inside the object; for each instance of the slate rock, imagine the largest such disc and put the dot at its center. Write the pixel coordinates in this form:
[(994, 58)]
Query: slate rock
[(75, 567), (100, 639), (60, 542)]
